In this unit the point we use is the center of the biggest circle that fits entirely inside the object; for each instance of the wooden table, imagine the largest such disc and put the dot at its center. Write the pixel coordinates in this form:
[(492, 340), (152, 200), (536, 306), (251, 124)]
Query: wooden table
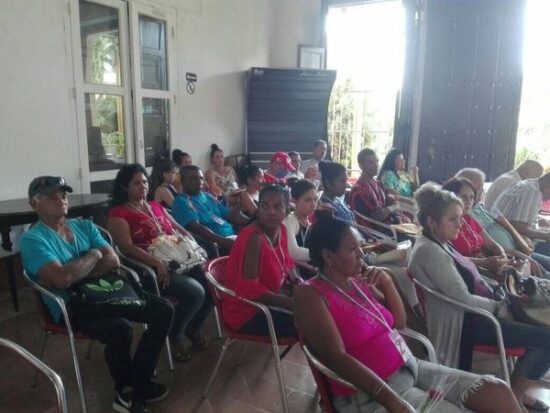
[(19, 212)]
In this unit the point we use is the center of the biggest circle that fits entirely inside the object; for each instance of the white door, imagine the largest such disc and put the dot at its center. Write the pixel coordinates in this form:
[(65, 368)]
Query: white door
[(124, 68)]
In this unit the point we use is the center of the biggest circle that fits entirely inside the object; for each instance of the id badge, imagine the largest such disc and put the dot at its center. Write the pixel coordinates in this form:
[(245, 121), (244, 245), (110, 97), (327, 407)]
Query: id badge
[(401, 345), (218, 220)]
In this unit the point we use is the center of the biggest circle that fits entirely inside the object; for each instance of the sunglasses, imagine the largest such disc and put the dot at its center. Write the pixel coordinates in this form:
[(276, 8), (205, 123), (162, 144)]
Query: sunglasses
[(50, 181)]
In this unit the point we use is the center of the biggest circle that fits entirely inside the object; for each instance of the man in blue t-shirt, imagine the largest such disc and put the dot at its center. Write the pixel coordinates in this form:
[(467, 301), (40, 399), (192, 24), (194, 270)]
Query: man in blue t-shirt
[(57, 253), (201, 213)]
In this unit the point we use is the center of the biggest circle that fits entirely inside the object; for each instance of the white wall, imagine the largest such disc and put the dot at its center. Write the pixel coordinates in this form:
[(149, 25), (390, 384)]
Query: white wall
[(37, 115), (216, 39)]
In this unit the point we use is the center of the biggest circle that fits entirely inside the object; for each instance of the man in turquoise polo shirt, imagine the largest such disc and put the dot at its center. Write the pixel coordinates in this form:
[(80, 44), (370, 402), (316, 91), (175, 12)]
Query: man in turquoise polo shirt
[(202, 214), (58, 252)]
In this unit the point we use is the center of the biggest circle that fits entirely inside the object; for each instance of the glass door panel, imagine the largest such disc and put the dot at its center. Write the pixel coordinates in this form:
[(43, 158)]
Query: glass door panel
[(152, 39), (156, 128), (105, 131), (99, 39), (153, 72)]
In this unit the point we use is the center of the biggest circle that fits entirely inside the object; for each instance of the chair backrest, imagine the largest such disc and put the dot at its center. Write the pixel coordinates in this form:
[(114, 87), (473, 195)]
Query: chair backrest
[(43, 309), (43, 368), (215, 274)]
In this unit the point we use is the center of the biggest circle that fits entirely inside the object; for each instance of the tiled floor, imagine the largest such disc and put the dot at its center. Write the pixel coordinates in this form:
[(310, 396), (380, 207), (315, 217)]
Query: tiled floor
[(246, 382), (248, 386)]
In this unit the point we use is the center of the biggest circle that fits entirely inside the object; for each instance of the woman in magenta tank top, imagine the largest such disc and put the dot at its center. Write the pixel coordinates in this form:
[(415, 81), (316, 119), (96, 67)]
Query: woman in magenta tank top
[(349, 315)]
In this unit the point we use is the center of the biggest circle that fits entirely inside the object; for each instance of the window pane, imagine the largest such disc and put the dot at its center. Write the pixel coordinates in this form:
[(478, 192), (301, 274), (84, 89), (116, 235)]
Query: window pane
[(155, 128), (152, 41), (105, 131), (99, 37)]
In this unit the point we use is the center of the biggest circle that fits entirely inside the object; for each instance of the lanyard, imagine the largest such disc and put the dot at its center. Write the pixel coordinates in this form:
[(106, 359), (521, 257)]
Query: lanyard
[(377, 316), (150, 215), (281, 265)]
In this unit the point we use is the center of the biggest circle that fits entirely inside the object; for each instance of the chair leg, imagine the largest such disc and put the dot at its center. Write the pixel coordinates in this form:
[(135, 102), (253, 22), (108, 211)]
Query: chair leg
[(89, 351), (40, 357), (226, 344), (169, 355), (218, 323), (279, 371), (78, 375), (12, 282)]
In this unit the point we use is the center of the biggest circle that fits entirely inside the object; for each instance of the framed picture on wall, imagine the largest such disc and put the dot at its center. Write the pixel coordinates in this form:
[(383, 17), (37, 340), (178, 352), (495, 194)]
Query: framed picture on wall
[(311, 57)]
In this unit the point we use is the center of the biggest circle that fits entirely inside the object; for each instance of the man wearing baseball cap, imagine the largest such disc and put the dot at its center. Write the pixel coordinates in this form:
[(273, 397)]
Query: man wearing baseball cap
[(279, 167), (58, 252)]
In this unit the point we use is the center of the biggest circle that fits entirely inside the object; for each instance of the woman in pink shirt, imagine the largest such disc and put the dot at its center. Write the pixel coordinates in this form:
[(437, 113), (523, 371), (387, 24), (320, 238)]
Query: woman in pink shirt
[(348, 316), (473, 241)]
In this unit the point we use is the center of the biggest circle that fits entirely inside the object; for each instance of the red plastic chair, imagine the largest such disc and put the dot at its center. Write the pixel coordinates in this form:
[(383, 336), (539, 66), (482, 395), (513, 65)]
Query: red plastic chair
[(506, 355), (215, 275)]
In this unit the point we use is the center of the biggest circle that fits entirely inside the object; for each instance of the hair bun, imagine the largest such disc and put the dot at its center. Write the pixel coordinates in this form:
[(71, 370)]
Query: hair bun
[(214, 147)]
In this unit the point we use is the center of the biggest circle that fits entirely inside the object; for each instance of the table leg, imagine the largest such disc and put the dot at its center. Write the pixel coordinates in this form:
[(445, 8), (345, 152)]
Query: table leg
[(6, 241)]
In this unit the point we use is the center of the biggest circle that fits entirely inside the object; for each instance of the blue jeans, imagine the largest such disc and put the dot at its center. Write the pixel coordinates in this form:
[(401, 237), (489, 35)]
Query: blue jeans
[(542, 259), (536, 341), (194, 301), (543, 248)]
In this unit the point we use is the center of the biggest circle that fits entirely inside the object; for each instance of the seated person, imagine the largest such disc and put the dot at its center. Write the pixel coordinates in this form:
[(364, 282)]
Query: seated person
[(528, 169), (221, 178), (304, 198), (180, 159), (500, 229), (261, 269), (279, 168), (202, 214), (58, 252), (369, 197), (393, 176), (296, 161), (162, 189), (521, 204), (472, 240), (250, 179), (134, 224), (348, 316), (310, 167), (437, 265), (334, 179)]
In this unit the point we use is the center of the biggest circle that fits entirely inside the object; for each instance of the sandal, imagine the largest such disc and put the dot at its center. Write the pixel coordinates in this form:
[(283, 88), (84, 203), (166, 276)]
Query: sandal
[(179, 352), (199, 340), (536, 405)]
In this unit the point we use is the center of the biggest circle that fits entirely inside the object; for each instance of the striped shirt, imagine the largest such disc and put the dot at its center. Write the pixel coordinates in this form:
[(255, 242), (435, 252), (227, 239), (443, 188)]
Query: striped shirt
[(500, 184), (521, 202), (368, 197)]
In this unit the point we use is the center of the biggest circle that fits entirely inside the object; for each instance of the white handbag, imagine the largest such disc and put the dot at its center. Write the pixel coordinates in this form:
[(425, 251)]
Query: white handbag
[(179, 253)]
